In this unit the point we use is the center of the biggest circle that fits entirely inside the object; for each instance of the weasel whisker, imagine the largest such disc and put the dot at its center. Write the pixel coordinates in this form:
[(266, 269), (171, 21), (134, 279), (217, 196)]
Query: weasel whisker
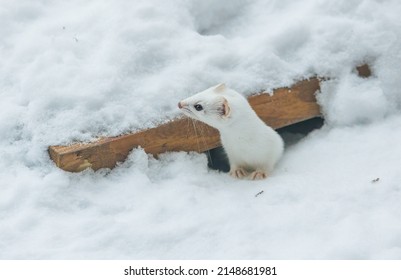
[(203, 128), (196, 134)]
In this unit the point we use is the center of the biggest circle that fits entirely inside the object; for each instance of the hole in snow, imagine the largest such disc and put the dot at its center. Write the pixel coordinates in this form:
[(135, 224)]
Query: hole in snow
[(291, 134)]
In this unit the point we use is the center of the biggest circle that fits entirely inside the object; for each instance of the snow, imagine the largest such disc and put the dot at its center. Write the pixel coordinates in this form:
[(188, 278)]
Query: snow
[(72, 71)]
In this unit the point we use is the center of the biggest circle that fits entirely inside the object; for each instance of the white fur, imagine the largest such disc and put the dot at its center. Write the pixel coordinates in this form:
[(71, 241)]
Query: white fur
[(252, 147)]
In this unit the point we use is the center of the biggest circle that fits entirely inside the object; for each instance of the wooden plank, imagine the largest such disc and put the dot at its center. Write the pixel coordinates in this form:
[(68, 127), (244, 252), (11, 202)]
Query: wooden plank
[(286, 106)]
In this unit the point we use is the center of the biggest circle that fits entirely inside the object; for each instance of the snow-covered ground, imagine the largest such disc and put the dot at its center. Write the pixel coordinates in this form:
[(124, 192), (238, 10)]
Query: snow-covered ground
[(74, 70)]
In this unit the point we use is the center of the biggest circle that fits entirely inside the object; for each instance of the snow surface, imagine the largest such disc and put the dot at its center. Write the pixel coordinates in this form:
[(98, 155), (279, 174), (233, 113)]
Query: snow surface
[(74, 70)]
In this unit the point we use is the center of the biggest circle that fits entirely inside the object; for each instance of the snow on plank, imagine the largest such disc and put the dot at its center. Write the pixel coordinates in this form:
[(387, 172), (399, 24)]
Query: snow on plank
[(285, 107)]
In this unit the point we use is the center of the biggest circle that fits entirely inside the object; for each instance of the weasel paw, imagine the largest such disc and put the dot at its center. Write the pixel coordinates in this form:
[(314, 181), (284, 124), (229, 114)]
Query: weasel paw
[(238, 173), (258, 175)]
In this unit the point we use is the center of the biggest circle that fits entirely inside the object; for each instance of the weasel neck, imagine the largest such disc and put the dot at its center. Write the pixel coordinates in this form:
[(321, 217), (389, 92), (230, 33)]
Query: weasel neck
[(242, 123)]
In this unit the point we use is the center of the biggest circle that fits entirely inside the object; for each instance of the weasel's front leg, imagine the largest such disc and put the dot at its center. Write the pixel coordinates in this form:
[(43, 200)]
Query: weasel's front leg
[(238, 172), (258, 175)]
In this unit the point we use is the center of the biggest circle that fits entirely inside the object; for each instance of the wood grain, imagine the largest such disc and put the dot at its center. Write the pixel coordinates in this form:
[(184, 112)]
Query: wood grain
[(286, 106)]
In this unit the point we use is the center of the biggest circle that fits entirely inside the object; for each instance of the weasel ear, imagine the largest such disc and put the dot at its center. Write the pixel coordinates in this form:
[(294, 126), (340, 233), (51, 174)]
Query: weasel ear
[(225, 109), (220, 88)]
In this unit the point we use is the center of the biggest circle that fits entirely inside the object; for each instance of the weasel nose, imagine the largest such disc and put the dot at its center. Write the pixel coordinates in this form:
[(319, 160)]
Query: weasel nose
[(179, 105)]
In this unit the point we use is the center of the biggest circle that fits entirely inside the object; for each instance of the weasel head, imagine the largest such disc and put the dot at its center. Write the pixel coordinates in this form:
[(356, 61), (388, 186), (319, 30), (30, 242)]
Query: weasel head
[(209, 106)]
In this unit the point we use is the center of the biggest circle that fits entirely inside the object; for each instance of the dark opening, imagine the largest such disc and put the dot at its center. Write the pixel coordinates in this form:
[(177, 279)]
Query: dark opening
[(291, 134)]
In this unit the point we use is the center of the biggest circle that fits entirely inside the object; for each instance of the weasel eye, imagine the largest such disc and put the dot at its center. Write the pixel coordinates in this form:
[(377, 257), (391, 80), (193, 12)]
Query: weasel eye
[(198, 107)]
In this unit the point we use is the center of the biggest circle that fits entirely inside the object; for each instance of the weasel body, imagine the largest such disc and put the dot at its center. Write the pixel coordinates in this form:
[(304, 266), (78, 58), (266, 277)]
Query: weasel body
[(252, 147)]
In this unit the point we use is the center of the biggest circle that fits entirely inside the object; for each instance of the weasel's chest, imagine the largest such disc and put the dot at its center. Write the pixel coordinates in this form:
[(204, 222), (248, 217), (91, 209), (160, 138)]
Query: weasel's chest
[(238, 140), (241, 145)]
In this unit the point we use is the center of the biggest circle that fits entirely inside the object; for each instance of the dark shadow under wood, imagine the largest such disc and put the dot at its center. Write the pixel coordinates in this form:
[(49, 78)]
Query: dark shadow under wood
[(217, 158)]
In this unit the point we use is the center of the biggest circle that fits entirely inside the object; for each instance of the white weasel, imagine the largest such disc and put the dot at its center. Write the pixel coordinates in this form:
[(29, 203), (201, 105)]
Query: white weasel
[(252, 147)]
